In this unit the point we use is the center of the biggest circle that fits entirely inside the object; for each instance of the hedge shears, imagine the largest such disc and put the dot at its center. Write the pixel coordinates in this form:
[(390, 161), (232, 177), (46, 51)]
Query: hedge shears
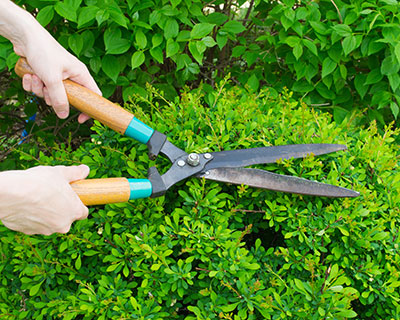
[(224, 166)]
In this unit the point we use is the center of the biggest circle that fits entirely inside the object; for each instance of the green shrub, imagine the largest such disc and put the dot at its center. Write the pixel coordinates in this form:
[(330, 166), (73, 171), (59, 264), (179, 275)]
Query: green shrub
[(335, 55), (208, 250)]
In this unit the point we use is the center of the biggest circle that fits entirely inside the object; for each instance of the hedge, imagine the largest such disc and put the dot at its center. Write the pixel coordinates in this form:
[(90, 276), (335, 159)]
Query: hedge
[(335, 55), (209, 250)]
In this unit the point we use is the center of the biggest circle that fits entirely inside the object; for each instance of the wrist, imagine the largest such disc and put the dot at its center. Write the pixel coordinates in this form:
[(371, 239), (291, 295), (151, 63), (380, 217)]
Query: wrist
[(8, 191), (18, 26)]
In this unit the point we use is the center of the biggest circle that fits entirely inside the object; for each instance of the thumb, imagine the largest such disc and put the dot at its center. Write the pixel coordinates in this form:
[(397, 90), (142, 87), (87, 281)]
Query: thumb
[(75, 173)]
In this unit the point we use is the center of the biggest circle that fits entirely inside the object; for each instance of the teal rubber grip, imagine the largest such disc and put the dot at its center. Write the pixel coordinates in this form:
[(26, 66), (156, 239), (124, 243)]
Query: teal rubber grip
[(139, 131), (140, 188)]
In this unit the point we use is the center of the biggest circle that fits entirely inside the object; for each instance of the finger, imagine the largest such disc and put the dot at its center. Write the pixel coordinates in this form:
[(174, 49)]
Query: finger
[(58, 98), (27, 82), (37, 86), (75, 173), (83, 117), (46, 96), (64, 229), (85, 79), (83, 214)]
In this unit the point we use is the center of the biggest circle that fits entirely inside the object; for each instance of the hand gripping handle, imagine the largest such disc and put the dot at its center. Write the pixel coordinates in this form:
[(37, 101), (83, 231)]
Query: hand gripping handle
[(97, 107)]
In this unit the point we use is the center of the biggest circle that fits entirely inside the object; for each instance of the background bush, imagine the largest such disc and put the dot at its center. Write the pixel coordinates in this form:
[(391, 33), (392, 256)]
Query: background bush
[(208, 250), (336, 55)]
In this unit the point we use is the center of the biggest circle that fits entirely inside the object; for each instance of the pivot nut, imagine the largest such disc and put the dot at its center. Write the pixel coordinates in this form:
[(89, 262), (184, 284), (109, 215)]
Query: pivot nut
[(193, 159)]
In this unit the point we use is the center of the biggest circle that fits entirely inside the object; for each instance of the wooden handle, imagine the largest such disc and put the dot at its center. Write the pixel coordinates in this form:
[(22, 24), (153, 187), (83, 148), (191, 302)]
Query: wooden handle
[(88, 102), (102, 191)]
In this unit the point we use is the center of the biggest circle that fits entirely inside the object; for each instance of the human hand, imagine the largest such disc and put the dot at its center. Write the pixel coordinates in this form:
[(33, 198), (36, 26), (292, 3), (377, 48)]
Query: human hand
[(40, 200), (52, 64)]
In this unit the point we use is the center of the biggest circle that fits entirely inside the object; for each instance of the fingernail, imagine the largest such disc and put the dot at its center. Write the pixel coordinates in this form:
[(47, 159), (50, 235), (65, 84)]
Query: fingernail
[(62, 114)]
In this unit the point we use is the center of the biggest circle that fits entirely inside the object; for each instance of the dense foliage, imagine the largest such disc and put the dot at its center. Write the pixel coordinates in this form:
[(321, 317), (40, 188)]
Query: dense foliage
[(208, 250), (336, 55)]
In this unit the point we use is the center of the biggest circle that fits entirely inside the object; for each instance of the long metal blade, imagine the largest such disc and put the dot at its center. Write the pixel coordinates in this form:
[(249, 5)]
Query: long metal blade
[(248, 157), (267, 180)]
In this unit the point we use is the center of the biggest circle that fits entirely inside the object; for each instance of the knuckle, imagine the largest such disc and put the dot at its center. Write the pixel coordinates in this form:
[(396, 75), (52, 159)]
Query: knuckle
[(64, 229)]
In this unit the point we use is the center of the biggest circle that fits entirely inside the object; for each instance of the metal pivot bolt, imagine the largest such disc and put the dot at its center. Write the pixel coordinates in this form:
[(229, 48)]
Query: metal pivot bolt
[(193, 159), (181, 163), (207, 156)]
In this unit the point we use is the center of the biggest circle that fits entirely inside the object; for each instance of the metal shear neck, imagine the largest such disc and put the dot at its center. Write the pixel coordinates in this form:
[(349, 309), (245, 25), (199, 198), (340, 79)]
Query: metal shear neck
[(180, 169)]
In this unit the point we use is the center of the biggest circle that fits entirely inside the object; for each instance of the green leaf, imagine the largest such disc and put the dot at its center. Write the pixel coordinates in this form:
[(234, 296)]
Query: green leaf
[(201, 30), (319, 27), (229, 307), (390, 66), (175, 3), (397, 52), (298, 51), (292, 41), (78, 262), (346, 314), (112, 267), (63, 246), (343, 71), (290, 14), (201, 47), (75, 42), (286, 23), (299, 284), (342, 30), (66, 11), (156, 40), (311, 46), (238, 51), (253, 82), (95, 64), (34, 289), (374, 76), (141, 39), (137, 59), (168, 271), (157, 54), (86, 15), (380, 236), (349, 44), (344, 231), (339, 114), (217, 18), (110, 66), (328, 66), (172, 48), (221, 40), (324, 91), (394, 108), (102, 16), (360, 84), (45, 15), (302, 86), (390, 2), (233, 26), (117, 16), (171, 29), (394, 80), (209, 42), (195, 53), (114, 43)]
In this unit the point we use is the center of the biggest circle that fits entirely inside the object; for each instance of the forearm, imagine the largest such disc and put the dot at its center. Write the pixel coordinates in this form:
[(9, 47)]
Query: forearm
[(18, 26)]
